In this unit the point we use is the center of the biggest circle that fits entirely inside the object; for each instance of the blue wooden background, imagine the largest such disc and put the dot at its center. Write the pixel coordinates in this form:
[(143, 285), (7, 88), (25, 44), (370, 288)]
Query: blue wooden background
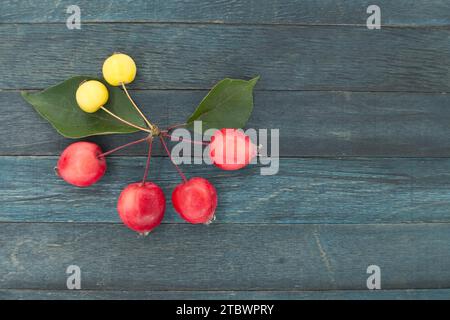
[(364, 117)]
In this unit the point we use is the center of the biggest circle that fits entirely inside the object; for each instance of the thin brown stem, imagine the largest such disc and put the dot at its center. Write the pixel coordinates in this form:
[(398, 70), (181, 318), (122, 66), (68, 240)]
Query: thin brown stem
[(136, 107), (187, 140), (125, 121), (147, 165), (176, 126), (170, 156), (121, 147)]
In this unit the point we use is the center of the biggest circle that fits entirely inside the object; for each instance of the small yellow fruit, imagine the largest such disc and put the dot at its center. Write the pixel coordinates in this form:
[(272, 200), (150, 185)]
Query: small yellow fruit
[(91, 96), (119, 68)]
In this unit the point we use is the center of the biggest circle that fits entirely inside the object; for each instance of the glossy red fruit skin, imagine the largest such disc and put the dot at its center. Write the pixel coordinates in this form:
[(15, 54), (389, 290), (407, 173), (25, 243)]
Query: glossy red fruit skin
[(195, 200), (231, 149), (79, 164), (141, 206)]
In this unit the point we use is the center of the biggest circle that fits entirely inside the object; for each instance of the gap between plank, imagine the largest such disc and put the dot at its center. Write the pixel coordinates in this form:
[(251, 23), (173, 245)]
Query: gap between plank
[(229, 291), (258, 90), (231, 24)]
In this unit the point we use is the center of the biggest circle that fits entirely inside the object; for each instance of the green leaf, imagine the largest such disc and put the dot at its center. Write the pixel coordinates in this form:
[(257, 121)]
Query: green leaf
[(228, 105), (59, 107)]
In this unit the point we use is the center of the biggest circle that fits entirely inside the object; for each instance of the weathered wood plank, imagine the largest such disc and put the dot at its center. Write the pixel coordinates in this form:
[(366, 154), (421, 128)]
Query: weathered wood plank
[(310, 123), (349, 191), (400, 12), (425, 294), (196, 56), (224, 256)]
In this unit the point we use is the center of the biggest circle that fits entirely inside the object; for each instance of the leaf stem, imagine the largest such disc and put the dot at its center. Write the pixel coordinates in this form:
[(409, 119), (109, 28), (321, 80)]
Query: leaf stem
[(125, 121), (123, 146), (147, 165), (176, 126), (187, 140), (149, 124), (170, 156)]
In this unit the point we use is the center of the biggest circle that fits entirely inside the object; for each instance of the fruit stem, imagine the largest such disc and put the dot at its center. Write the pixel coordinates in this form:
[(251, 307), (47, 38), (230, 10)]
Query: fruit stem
[(125, 121), (123, 146), (170, 156), (176, 126), (149, 124), (187, 140), (147, 165)]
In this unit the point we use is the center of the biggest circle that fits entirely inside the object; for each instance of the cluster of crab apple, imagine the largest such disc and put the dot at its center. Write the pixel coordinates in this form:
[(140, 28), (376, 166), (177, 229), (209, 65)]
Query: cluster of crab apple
[(141, 205)]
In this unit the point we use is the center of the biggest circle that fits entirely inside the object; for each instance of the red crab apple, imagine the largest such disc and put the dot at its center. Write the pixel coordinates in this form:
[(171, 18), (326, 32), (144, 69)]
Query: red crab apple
[(195, 200), (80, 164), (231, 149), (141, 206)]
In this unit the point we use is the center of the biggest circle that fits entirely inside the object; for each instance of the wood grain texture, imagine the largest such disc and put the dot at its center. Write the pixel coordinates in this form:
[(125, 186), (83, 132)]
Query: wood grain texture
[(310, 123), (197, 56), (333, 88), (224, 256), (424, 294), (335, 12), (345, 191)]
